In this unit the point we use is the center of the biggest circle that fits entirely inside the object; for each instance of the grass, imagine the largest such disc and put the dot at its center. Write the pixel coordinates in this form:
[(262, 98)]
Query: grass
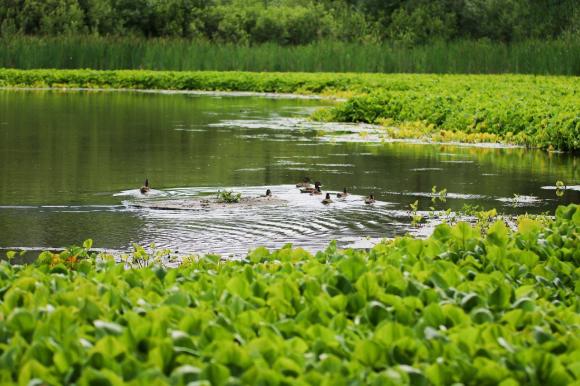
[(480, 57), (469, 305)]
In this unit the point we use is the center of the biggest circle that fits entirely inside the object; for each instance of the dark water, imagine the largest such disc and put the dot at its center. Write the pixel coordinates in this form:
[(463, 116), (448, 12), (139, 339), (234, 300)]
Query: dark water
[(70, 161)]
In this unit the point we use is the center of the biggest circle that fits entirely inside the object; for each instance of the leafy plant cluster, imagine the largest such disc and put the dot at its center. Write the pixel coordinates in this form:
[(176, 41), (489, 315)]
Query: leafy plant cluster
[(530, 112), (294, 21), (502, 308), (229, 196), (537, 111)]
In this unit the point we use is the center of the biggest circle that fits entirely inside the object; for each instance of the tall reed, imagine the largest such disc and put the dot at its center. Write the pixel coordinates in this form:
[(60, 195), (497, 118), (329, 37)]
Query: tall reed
[(531, 57)]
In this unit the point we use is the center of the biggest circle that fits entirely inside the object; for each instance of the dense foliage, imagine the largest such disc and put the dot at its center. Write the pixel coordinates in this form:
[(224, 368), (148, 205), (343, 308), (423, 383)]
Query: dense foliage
[(465, 305), (557, 57), (531, 110), (295, 21), (536, 112)]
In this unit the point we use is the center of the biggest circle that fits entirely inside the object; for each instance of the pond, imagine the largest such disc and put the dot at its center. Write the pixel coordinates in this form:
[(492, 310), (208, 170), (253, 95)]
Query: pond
[(71, 163)]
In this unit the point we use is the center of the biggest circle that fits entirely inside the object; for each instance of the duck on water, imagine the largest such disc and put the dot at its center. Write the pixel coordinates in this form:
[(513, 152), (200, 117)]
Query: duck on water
[(145, 188), (304, 184), (312, 190), (370, 199)]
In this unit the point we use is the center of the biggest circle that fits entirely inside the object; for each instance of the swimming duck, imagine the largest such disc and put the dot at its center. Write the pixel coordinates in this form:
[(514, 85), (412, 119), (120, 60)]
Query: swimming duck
[(316, 191), (311, 189), (145, 188), (370, 199), (327, 200), (304, 184), (343, 194), (268, 193)]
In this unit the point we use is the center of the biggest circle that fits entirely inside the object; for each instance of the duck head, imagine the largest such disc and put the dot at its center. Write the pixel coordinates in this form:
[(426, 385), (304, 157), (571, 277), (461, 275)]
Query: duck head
[(327, 196), (268, 193)]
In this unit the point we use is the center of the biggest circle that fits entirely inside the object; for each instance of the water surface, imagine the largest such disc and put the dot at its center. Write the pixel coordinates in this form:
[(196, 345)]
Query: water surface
[(70, 161)]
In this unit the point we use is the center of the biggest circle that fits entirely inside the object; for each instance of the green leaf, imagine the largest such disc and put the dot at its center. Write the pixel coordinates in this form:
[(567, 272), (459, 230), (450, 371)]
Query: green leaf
[(528, 227), (259, 255), (482, 315), (238, 285), (433, 315), (470, 301), (180, 299), (368, 286), (442, 233), (31, 372), (525, 304), (462, 234), (352, 267), (21, 320), (87, 244), (368, 353), (498, 234), (500, 297), (185, 374), (216, 374)]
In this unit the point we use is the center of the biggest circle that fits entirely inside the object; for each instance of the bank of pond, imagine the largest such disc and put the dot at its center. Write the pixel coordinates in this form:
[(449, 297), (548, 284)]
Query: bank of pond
[(480, 304), (534, 111)]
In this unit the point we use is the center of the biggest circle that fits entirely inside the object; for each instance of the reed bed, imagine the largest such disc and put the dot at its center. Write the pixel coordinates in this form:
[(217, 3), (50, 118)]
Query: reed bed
[(463, 57)]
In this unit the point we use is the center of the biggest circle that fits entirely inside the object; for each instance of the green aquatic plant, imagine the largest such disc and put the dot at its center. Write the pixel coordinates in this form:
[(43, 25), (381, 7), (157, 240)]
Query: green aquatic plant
[(457, 307), (140, 257), (228, 196), (560, 188), (416, 217), (438, 195), (535, 111)]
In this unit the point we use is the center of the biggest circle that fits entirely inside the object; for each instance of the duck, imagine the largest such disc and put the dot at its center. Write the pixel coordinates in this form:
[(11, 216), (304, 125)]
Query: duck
[(316, 191), (268, 194), (145, 188), (370, 199), (310, 189), (327, 200), (343, 194), (304, 184)]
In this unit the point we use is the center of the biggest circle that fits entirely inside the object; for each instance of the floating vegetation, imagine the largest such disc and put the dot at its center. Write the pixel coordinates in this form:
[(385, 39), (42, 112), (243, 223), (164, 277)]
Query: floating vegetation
[(458, 307), (510, 109), (228, 196)]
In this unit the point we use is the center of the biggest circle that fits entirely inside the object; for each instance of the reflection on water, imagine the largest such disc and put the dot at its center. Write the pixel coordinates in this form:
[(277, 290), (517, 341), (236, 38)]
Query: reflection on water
[(70, 162)]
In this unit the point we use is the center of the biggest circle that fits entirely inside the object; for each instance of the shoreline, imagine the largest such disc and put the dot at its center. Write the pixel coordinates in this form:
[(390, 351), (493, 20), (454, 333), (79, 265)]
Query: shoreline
[(451, 107), (219, 93), (379, 135)]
